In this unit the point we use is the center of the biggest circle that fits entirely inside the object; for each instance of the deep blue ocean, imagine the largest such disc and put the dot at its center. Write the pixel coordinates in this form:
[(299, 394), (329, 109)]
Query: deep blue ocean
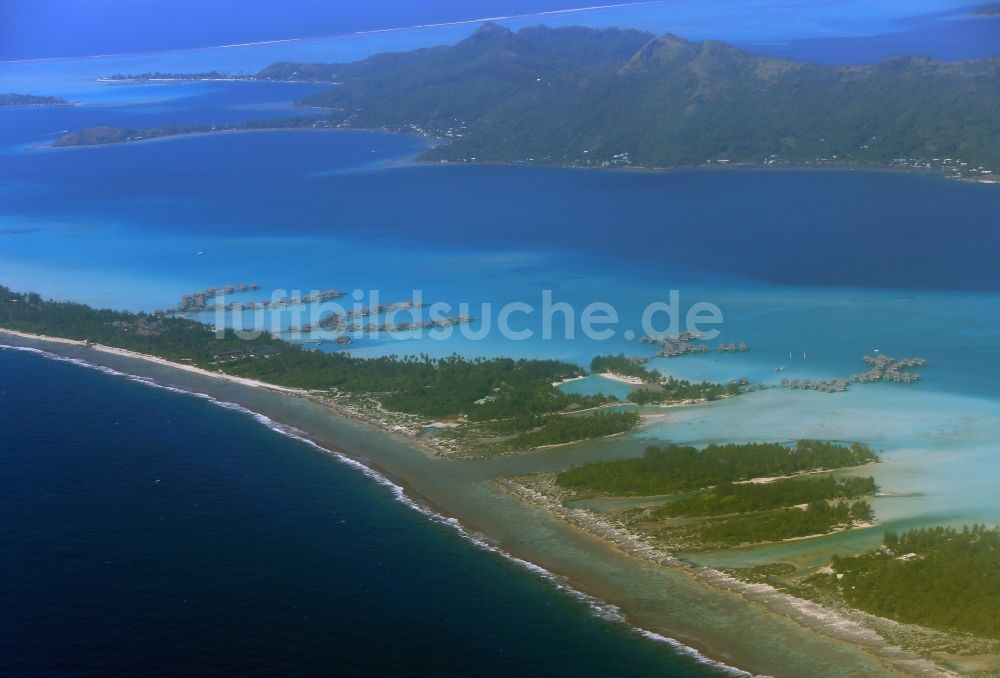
[(147, 532)]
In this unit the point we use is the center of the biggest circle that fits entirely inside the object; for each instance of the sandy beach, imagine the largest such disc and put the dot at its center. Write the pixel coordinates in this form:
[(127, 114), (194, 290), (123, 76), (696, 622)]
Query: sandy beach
[(622, 378), (252, 383)]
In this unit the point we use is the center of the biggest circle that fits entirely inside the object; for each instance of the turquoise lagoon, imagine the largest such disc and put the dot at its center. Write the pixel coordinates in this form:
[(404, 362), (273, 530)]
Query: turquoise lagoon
[(813, 269), (304, 211)]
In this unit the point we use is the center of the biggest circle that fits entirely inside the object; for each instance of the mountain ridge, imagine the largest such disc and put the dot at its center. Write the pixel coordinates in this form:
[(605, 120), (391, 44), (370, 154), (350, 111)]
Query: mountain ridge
[(621, 97), (556, 95)]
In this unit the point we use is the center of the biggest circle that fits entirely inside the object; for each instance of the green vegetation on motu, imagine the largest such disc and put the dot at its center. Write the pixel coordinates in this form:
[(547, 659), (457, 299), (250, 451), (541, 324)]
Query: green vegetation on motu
[(624, 366), (510, 396), (728, 497), (482, 389), (675, 468), (763, 574), (681, 390), (939, 577), (818, 517), (624, 97), (10, 99), (566, 429), (96, 136), (758, 512), (174, 339), (157, 75)]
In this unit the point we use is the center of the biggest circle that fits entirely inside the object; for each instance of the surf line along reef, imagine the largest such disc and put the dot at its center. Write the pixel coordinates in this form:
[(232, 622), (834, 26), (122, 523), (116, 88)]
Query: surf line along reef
[(717, 497)]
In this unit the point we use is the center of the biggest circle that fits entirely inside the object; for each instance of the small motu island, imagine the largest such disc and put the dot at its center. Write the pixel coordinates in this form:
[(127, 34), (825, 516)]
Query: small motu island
[(157, 76), (725, 495), (667, 505), (11, 100)]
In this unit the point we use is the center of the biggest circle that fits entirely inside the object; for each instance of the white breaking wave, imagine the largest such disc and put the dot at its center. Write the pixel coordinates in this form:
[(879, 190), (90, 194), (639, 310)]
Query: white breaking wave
[(598, 607), (550, 12), (443, 24)]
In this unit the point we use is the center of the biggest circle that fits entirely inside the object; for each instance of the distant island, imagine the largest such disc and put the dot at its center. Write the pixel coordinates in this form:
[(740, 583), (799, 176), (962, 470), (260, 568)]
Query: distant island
[(988, 10), (11, 100), (157, 76), (99, 136), (624, 98)]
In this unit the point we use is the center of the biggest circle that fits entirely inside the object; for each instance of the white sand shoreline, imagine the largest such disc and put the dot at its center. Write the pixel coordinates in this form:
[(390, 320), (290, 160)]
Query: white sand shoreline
[(253, 383), (623, 378)]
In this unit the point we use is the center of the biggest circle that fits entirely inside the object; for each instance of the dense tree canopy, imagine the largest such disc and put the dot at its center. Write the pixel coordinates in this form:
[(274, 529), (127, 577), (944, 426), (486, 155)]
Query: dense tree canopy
[(675, 468), (940, 577), (728, 497), (580, 96)]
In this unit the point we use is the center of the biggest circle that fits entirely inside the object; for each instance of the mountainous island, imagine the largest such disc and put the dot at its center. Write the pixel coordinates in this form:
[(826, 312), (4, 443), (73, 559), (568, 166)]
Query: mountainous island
[(585, 97), (11, 100)]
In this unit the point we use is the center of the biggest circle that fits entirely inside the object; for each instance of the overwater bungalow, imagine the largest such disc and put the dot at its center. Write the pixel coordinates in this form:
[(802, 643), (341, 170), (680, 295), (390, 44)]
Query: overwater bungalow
[(675, 348), (228, 355)]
